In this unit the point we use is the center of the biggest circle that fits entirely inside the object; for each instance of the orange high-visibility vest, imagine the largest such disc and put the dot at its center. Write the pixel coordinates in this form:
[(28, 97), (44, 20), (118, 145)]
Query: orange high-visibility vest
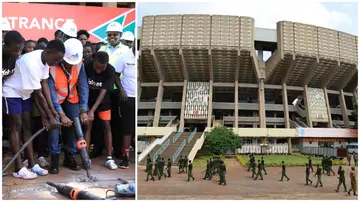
[(66, 87)]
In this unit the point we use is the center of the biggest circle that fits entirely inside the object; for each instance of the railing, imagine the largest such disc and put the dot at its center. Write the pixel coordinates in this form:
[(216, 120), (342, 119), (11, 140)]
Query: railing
[(178, 151), (176, 136), (192, 135), (161, 150)]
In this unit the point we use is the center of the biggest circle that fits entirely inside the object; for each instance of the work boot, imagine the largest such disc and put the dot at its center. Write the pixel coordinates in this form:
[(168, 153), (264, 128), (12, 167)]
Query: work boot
[(70, 162), (54, 166)]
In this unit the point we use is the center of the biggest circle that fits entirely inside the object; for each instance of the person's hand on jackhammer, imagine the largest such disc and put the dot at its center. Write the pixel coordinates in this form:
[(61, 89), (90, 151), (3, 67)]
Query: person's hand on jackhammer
[(122, 96), (65, 121), (50, 124), (84, 118)]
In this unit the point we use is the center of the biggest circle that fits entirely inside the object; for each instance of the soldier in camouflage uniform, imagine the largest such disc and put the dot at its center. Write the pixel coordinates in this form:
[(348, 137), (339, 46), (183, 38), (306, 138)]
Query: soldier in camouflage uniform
[(308, 174), (180, 163), (341, 178), (353, 181), (329, 167), (263, 165), (349, 158), (162, 166), (190, 171), (259, 171), (318, 174), (323, 164), (253, 169), (148, 160), (208, 174), (186, 160), (168, 168), (355, 157), (156, 170), (249, 163), (283, 172), (149, 171), (310, 164), (222, 173)]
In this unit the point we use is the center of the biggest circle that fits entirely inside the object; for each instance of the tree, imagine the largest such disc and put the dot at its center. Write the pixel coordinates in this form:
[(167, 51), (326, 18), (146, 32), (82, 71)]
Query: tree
[(222, 139)]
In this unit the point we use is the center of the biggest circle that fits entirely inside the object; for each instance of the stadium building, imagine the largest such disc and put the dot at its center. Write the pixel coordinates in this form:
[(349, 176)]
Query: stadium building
[(197, 72)]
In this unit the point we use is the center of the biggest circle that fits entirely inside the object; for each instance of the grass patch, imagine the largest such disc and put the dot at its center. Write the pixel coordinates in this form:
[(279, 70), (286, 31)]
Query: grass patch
[(200, 161), (290, 160)]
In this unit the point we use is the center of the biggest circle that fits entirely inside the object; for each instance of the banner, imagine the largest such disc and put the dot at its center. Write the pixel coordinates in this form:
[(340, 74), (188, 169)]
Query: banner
[(34, 21), (327, 132)]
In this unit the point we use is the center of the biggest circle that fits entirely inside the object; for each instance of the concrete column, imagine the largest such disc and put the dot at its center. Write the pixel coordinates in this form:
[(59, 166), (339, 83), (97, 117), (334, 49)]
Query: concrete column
[(236, 111), (261, 98), (286, 106), (289, 145), (158, 104), (183, 102), (110, 4), (344, 109), (210, 107), (330, 125), (255, 114), (307, 107), (261, 55)]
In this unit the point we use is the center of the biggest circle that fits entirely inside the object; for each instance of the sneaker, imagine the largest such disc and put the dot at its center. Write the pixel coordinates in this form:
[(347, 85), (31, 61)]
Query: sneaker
[(26, 163), (111, 164), (42, 162), (38, 170), (25, 174), (124, 164)]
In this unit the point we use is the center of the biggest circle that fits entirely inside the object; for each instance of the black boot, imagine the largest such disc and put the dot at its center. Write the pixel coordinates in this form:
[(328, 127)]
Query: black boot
[(70, 162), (54, 166)]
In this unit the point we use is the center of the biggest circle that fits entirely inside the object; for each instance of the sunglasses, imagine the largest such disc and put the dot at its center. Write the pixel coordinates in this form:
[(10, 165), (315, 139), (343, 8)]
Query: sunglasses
[(109, 35)]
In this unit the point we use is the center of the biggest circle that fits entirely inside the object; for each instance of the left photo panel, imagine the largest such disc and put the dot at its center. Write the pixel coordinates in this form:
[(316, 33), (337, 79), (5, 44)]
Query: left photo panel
[(68, 101)]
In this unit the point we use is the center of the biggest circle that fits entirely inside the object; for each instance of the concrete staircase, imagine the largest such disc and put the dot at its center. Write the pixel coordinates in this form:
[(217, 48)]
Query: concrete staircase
[(157, 147), (188, 147), (170, 151)]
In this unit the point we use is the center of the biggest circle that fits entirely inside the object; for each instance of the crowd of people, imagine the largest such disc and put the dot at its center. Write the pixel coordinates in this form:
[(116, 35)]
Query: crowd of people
[(68, 86)]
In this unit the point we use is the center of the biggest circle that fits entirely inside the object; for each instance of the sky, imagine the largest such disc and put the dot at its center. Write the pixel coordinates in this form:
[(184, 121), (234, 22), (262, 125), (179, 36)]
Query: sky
[(340, 16)]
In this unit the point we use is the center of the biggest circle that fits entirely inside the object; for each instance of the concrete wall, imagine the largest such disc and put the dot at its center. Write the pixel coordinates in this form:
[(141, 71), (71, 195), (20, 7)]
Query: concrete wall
[(154, 131)]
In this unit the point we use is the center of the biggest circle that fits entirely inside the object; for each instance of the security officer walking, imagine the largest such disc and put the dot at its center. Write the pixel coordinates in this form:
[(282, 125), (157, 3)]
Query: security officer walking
[(318, 174), (283, 172), (168, 168), (341, 178), (190, 171), (149, 171), (259, 171), (307, 171), (222, 173)]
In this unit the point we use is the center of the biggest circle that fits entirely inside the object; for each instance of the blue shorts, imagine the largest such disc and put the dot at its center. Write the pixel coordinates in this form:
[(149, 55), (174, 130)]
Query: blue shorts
[(16, 105)]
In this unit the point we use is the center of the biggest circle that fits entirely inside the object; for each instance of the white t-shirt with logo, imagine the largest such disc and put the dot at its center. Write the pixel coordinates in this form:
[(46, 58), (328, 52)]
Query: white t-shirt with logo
[(126, 65), (29, 71)]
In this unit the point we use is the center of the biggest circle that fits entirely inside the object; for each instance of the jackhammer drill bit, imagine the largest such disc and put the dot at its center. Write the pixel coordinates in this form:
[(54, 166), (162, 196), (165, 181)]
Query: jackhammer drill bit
[(81, 146), (74, 193)]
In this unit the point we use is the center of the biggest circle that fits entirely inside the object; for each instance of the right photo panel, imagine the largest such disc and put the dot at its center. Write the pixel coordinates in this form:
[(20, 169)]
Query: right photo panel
[(247, 100)]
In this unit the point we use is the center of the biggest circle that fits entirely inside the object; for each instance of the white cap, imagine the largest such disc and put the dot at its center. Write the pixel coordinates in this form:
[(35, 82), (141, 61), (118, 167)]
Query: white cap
[(73, 51), (69, 28), (5, 25), (128, 36), (114, 27)]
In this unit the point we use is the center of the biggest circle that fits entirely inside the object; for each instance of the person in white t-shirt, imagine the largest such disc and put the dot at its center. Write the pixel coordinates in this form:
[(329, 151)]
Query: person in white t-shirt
[(31, 72), (125, 65)]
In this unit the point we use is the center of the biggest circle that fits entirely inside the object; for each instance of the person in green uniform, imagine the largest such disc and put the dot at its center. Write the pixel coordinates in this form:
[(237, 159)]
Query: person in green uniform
[(180, 163), (211, 166), (355, 158), (208, 173), (186, 164), (323, 164), (157, 169), (329, 167), (308, 175), (148, 160), (249, 163), (349, 158), (259, 171), (283, 172), (162, 166), (310, 164), (253, 169), (318, 174), (149, 171), (190, 171), (168, 168), (353, 181), (341, 178), (263, 165), (222, 173)]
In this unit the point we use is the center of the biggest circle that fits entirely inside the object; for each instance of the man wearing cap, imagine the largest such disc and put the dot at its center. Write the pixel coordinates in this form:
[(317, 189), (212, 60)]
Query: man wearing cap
[(69, 92)]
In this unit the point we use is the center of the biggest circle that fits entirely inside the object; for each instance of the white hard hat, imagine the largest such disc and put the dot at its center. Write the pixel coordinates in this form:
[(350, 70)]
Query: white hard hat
[(5, 25), (69, 28), (114, 27), (128, 36), (73, 51)]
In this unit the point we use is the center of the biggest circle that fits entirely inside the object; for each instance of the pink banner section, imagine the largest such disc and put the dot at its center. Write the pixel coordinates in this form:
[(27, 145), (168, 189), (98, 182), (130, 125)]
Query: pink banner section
[(327, 132)]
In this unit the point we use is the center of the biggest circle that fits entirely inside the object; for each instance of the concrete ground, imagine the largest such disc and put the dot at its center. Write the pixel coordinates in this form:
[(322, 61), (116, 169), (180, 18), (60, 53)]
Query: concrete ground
[(240, 185), (37, 189)]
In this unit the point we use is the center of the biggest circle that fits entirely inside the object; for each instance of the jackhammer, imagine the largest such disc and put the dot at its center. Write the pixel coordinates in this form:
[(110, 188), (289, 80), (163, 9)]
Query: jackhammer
[(81, 146), (74, 193)]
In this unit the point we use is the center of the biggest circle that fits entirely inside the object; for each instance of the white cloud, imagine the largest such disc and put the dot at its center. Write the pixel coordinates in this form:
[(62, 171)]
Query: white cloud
[(265, 13)]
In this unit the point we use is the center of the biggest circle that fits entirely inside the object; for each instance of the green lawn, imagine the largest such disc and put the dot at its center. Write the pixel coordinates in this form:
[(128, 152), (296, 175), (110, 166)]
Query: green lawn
[(290, 160)]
